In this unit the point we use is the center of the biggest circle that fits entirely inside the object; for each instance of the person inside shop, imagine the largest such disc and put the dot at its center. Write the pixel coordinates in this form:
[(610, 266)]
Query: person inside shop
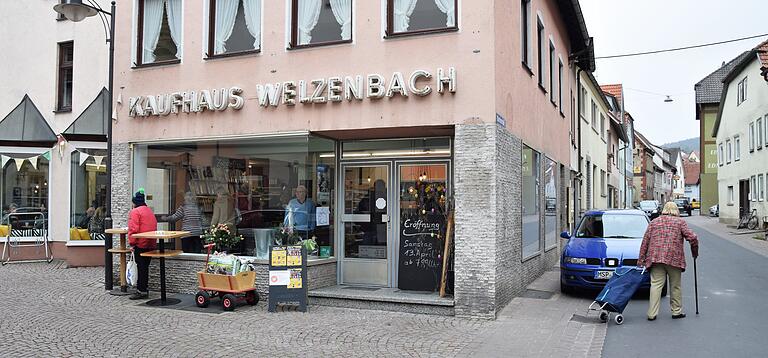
[(141, 219), (189, 214), (86, 219), (96, 224), (300, 212)]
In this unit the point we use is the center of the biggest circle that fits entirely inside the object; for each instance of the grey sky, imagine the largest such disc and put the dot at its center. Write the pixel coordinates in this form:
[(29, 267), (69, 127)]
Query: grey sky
[(626, 26)]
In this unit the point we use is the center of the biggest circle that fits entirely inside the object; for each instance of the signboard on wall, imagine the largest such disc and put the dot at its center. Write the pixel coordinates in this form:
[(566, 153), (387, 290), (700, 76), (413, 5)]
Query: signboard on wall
[(710, 158)]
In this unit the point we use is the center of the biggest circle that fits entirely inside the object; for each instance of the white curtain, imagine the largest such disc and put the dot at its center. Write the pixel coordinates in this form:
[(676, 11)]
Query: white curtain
[(402, 16), (252, 9), (153, 19), (226, 11), (309, 14), (173, 8), (342, 10), (448, 7)]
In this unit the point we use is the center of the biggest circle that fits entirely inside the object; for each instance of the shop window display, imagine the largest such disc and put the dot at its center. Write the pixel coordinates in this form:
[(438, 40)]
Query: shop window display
[(24, 184), (257, 187), (88, 194), (550, 209), (531, 176)]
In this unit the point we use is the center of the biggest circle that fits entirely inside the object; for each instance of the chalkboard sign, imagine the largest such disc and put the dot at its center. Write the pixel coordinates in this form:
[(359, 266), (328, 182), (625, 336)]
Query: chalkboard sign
[(421, 250), (287, 276)]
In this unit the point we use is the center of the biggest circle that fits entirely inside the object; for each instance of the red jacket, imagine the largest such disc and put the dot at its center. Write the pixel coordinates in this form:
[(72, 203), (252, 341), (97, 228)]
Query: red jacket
[(141, 219), (663, 242)]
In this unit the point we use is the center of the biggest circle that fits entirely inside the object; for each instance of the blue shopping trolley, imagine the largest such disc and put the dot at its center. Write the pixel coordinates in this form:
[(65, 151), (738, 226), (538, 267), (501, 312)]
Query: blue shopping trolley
[(617, 292)]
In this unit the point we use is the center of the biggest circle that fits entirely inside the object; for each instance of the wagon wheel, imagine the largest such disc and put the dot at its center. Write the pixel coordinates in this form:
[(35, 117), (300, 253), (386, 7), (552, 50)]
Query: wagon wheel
[(228, 302), (202, 299), (252, 298), (604, 316), (619, 319)]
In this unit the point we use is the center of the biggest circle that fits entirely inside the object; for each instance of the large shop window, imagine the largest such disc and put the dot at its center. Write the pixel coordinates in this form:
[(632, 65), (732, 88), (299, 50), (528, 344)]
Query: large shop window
[(253, 186), (531, 175), (24, 184), (159, 31), (88, 194), (550, 210), (420, 16), (234, 27), (320, 22)]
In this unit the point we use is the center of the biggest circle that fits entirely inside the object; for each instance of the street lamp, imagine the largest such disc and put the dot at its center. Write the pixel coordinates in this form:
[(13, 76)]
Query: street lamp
[(76, 11)]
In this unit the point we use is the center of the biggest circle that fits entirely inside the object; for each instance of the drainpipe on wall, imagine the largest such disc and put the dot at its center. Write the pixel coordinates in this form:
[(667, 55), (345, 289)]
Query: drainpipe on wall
[(579, 175)]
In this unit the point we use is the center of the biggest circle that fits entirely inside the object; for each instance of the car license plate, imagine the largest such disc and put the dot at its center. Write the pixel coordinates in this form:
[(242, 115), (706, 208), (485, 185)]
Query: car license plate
[(603, 275)]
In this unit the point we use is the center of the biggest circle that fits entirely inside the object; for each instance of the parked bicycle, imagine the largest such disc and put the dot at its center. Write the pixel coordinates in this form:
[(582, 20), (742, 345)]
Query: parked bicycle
[(749, 221)]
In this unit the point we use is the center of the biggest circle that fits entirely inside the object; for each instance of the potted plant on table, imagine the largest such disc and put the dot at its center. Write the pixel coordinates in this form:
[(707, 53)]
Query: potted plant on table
[(223, 237)]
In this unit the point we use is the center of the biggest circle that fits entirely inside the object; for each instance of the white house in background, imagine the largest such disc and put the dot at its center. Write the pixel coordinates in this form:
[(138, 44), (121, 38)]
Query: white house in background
[(595, 122), (678, 175), (54, 76), (741, 130)]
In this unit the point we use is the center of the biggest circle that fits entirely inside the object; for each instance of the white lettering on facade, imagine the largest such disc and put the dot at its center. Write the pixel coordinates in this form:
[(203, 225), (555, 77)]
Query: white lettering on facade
[(323, 90)]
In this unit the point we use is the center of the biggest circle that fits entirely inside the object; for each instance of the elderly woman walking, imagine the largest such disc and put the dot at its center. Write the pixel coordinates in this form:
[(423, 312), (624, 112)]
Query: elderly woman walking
[(662, 251)]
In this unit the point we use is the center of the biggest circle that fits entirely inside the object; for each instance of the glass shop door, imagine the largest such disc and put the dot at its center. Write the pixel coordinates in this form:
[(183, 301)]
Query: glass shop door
[(365, 237)]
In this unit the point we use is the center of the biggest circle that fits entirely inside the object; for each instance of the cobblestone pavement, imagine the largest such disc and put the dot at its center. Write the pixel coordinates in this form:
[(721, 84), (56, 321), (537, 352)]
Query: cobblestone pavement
[(50, 311)]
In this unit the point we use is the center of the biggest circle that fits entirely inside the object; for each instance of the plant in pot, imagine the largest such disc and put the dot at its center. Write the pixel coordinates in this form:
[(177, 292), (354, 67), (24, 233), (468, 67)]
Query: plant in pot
[(223, 237), (286, 235)]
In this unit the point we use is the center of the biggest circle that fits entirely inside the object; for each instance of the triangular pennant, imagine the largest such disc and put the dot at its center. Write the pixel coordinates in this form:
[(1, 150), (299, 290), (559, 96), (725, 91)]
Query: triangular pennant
[(98, 159), (4, 160), (19, 163), (33, 161), (83, 157), (47, 155)]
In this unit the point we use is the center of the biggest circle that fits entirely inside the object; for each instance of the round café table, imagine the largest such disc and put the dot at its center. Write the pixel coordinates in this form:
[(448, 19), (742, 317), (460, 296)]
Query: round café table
[(162, 253)]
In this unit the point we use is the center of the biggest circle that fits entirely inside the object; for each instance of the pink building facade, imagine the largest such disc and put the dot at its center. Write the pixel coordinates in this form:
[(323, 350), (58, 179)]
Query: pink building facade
[(371, 127)]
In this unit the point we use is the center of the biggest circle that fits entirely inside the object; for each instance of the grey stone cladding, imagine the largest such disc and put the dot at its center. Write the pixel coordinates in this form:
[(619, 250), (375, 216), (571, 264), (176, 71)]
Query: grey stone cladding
[(489, 270)]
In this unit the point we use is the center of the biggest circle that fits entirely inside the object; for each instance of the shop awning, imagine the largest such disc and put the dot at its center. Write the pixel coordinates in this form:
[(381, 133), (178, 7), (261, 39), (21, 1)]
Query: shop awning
[(91, 125), (25, 126)]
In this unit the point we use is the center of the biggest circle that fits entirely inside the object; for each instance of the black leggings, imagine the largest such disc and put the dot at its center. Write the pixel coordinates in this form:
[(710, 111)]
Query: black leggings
[(192, 244), (142, 263)]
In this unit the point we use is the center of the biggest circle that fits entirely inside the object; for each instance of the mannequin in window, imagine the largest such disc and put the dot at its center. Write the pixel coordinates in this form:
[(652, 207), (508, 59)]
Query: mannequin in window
[(300, 212)]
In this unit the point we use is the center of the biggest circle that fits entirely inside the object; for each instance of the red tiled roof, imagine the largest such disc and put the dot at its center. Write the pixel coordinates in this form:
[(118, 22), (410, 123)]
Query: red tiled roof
[(613, 90), (692, 171), (762, 53)]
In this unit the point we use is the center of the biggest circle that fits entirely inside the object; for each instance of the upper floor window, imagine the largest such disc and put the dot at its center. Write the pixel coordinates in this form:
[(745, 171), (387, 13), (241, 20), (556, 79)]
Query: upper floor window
[(525, 30), (321, 22), (420, 16), (602, 126), (720, 154), (560, 85), (742, 91), (736, 148), (759, 136), (752, 136), (540, 47), (234, 26), (593, 114), (552, 71), (583, 103), (159, 31), (765, 136), (728, 151), (64, 85)]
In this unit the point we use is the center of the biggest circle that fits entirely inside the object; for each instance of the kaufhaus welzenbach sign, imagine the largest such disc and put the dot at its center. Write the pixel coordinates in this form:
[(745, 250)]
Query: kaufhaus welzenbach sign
[(419, 83)]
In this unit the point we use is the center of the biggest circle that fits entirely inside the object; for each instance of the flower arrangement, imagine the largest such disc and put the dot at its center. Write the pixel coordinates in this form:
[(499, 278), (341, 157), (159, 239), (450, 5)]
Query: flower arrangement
[(286, 235), (221, 235)]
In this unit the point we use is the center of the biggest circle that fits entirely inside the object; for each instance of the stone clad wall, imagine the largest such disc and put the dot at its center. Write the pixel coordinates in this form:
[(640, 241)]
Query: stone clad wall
[(489, 270)]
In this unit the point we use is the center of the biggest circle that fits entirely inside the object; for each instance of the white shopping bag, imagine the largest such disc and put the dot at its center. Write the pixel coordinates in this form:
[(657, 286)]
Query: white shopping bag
[(132, 271)]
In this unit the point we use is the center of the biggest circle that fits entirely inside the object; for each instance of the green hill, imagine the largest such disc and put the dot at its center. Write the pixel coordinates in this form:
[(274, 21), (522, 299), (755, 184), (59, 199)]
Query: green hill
[(687, 145)]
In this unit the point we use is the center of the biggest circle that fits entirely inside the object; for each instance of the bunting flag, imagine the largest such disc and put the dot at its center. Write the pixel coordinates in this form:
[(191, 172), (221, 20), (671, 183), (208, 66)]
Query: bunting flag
[(83, 157), (19, 163), (33, 161), (98, 159), (5, 160), (47, 155)]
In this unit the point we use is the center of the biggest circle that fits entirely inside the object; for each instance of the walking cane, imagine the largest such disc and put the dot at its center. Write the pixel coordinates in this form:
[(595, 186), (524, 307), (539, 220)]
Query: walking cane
[(696, 285)]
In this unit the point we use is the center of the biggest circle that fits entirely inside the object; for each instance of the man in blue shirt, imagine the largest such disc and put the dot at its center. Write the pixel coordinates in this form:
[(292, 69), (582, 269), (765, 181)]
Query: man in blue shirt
[(300, 212)]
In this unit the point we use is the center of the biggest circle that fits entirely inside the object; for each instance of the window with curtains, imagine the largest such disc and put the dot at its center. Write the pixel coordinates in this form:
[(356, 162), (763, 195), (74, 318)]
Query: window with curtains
[(159, 31), (320, 22), (421, 16), (234, 27)]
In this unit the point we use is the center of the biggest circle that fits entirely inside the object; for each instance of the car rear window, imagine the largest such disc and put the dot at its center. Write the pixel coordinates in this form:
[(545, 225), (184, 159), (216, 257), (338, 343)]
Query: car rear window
[(613, 226)]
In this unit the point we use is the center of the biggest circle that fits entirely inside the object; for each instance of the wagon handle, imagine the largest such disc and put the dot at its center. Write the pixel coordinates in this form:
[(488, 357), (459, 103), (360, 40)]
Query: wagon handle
[(209, 246)]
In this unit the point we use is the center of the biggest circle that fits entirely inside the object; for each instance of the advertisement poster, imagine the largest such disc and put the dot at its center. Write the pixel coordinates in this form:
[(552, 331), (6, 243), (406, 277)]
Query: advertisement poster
[(295, 281), (278, 256), (323, 185), (293, 256), (279, 278)]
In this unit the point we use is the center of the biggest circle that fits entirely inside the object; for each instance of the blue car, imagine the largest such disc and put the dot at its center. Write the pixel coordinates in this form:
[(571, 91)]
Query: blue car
[(604, 240)]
